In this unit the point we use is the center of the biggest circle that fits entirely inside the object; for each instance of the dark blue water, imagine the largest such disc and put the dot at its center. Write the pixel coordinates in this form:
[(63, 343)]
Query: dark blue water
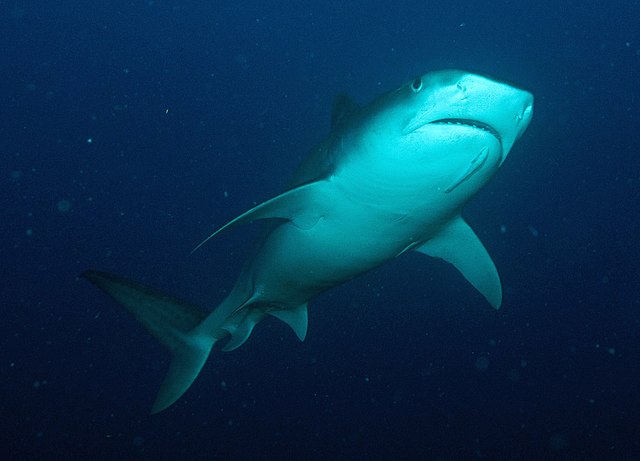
[(131, 129)]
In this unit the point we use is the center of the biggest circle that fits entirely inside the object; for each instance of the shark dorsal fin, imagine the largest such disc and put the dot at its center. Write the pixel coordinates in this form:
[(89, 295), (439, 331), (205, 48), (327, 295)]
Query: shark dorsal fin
[(343, 107), (457, 244), (296, 318)]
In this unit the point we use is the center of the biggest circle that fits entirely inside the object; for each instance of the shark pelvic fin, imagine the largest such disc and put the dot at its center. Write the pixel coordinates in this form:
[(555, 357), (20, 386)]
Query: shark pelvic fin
[(240, 326), (296, 205), (457, 244), (171, 322), (297, 319)]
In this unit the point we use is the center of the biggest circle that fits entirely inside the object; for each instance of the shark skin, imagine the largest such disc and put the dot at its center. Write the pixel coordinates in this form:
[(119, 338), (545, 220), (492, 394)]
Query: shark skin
[(391, 177)]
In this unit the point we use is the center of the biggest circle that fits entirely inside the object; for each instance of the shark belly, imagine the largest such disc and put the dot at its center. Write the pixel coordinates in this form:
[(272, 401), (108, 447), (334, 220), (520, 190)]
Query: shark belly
[(295, 264)]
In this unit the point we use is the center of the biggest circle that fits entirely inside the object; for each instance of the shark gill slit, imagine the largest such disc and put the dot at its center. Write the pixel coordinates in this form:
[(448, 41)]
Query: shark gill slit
[(473, 166)]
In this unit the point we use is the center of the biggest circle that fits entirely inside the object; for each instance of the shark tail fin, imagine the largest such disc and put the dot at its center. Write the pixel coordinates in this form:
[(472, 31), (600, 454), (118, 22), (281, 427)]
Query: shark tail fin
[(169, 320)]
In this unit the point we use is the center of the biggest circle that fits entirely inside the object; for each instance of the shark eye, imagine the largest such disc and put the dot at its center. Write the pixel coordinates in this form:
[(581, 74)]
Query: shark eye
[(416, 85)]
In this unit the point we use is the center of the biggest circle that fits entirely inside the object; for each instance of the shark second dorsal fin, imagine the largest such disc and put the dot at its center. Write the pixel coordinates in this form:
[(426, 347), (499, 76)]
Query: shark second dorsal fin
[(343, 107), (296, 318), (457, 244), (298, 205)]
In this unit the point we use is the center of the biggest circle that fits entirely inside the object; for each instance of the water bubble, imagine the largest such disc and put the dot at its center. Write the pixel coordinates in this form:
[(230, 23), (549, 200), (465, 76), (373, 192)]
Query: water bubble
[(482, 363), (64, 206)]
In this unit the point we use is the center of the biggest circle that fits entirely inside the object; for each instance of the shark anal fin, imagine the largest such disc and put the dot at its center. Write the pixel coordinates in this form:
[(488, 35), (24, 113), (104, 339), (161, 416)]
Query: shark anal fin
[(297, 319), (295, 205), (169, 320), (457, 244)]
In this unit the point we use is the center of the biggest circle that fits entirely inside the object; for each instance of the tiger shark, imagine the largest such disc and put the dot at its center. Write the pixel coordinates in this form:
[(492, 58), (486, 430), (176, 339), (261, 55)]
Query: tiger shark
[(391, 177)]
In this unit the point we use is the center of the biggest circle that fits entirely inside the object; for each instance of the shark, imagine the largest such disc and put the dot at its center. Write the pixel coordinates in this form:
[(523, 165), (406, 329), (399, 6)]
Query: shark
[(391, 177)]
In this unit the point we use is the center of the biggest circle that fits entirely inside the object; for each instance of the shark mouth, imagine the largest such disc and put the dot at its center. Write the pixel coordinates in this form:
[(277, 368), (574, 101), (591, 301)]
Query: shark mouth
[(471, 123)]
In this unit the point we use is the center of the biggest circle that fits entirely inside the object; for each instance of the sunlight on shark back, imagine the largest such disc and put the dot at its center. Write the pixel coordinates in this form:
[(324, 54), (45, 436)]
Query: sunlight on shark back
[(391, 177)]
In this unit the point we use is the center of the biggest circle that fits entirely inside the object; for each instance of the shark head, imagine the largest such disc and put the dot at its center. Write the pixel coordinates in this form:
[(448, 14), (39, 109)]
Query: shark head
[(444, 132), (454, 97)]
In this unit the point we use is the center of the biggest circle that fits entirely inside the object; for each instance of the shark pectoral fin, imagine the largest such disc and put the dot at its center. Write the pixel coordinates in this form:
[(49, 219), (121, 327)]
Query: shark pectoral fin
[(171, 322), (293, 205), (457, 244), (297, 319)]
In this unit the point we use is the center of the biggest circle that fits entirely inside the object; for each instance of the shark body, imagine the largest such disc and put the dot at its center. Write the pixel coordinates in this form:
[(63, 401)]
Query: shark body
[(391, 177)]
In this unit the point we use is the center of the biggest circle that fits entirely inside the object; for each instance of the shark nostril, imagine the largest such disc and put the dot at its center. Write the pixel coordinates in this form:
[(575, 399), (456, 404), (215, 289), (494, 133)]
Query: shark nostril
[(462, 89)]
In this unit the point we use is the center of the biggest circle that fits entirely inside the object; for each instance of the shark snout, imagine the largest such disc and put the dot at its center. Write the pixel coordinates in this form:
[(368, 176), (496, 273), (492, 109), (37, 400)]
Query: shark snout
[(506, 108), (514, 125)]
